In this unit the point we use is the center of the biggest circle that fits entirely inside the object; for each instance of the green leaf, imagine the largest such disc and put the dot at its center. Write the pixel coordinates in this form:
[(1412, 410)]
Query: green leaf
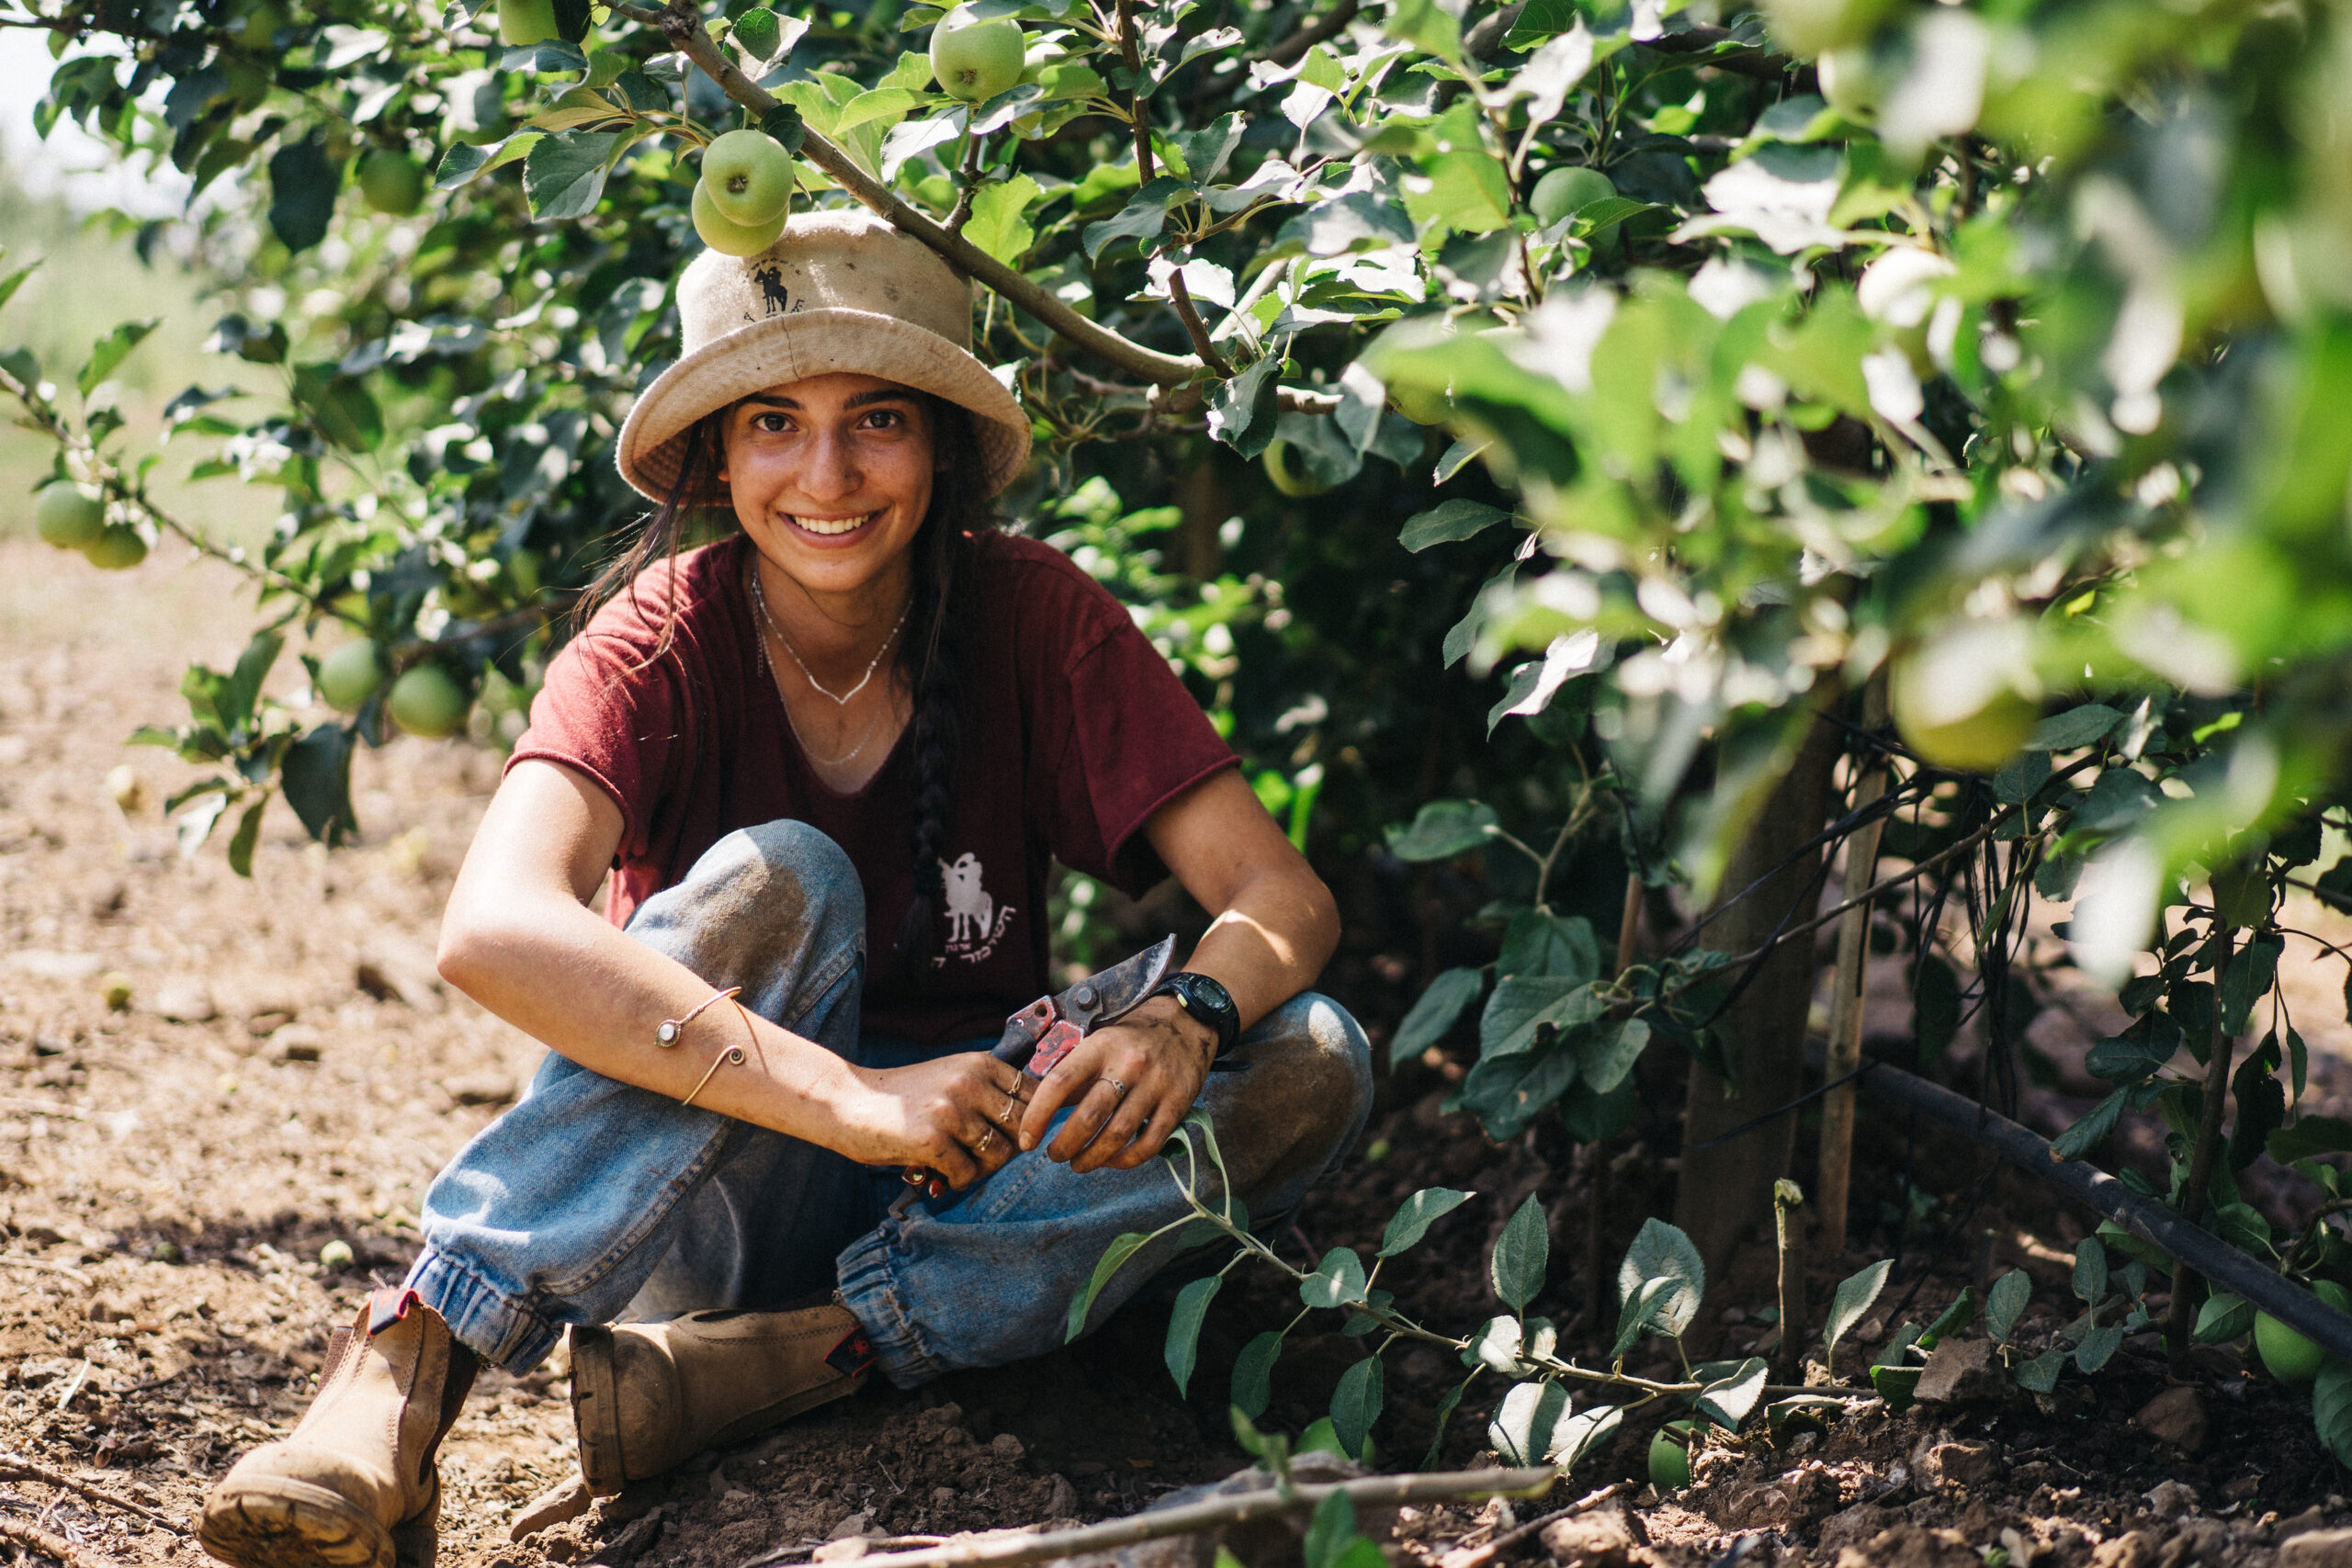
[(2331, 1408), (14, 281), (2128, 1060), (340, 407), (1184, 1328), (1644, 1309), (1521, 1254), (1953, 1319), (886, 103), (2090, 1271), (1661, 1251), (108, 352), (1581, 1434), (564, 174), (1521, 1428), (997, 225), (1897, 1386), (1445, 1408), (1336, 1283), (1557, 946), (316, 777), (1355, 1405), (1521, 1003), (1140, 220), (1608, 1054), (1728, 1400), (1415, 1214), (241, 844), (1448, 521), (2098, 1346), (2041, 1374), (2223, 1318), (302, 186), (2247, 980), (1331, 1528), (2073, 729), (1434, 1012), (1428, 25), (2311, 1135), (2092, 1130), (1122, 1248), (1442, 830), (1853, 1298), (1468, 191), (1253, 1373), (1496, 1347)]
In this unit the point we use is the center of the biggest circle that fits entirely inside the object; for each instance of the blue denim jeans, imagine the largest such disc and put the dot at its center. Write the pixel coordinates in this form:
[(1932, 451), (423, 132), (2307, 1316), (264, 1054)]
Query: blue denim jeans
[(591, 1201)]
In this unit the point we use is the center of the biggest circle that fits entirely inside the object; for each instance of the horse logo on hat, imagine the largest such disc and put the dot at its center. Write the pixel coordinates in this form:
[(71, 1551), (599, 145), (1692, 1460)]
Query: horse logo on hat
[(770, 278)]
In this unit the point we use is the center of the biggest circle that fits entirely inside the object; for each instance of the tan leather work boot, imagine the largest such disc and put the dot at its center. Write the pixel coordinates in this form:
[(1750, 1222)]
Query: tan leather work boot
[(353, 1485), (647, 1395)]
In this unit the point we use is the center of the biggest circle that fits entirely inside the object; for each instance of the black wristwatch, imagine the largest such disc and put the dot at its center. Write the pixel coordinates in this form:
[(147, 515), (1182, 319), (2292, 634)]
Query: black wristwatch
[(1206, 1000)]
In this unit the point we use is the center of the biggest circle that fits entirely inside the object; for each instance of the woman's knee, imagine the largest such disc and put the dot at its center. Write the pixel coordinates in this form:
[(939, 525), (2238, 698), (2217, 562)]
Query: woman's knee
[(756, 882), (1308, 1095)]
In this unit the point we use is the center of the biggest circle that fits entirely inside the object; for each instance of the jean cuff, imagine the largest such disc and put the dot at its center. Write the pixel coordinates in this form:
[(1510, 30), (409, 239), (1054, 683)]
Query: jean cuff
[(872, 1297), (503, 1331)]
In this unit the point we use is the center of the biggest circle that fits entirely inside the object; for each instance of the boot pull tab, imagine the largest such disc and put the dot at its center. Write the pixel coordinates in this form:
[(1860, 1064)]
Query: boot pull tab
[(388, 1305)]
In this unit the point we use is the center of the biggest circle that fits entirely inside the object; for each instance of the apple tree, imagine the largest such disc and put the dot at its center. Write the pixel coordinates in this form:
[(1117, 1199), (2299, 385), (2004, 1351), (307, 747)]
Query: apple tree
[(1632, 449)]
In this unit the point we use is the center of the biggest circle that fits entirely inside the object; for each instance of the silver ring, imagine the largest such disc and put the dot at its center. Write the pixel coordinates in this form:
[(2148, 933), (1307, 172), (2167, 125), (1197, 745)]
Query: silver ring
[(1117, 1085), (985, 1139)]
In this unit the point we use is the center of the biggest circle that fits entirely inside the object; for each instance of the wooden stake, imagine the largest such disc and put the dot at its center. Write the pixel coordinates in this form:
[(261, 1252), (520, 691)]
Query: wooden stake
[(1830, 1185)]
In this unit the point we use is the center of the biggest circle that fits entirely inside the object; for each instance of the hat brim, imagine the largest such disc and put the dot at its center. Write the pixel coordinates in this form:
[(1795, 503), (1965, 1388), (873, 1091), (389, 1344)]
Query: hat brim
[(773, 353)]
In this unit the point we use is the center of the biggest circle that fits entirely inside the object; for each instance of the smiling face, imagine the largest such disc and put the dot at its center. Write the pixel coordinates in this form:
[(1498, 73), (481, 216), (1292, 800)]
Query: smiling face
[(832, 476)]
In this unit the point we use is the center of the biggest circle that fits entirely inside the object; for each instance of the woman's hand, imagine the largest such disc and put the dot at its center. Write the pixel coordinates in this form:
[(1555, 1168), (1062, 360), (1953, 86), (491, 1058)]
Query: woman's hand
[(959, 1115), (1130, 1083)]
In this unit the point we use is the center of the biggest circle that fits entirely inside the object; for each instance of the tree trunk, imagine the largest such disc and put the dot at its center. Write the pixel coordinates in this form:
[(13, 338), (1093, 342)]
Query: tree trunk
[(1726, 1189)]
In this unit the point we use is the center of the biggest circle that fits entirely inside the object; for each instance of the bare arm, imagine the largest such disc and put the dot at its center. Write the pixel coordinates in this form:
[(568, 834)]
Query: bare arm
[(1276, 925), (518, 938)]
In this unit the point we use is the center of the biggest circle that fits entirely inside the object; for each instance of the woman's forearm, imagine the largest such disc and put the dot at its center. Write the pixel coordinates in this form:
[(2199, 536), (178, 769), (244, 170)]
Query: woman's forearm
[(572, 980), (1271, 940)]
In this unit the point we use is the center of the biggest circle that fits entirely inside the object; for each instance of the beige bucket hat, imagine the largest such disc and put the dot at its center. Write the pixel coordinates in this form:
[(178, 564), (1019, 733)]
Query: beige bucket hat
[(839, 291)]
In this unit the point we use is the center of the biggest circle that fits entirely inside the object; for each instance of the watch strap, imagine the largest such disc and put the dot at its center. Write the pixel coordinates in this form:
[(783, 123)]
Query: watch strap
[(1207, 1000)]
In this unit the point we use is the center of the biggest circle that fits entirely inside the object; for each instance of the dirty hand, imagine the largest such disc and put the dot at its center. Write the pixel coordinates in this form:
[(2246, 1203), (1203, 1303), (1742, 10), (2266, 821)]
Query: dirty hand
[(1130, 1083), (960, 1115)]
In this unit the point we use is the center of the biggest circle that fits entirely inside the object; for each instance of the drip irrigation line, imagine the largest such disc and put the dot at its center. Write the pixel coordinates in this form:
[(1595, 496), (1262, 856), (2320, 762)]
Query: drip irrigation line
[(2222, 1264)]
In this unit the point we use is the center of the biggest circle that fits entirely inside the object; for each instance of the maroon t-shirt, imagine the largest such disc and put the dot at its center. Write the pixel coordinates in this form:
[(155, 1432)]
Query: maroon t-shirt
[(1075, 733)]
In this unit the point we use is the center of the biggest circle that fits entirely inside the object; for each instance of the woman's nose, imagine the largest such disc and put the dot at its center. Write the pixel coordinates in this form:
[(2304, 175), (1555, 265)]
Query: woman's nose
[(831, 469)]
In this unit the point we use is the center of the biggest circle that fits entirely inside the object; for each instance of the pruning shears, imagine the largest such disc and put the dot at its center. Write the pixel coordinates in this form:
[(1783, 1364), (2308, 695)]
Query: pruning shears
[(1037, 1038)]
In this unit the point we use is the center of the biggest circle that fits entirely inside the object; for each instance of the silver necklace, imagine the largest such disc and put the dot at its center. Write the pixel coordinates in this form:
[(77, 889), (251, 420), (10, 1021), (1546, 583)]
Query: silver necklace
[(768, 669), (760, 598)]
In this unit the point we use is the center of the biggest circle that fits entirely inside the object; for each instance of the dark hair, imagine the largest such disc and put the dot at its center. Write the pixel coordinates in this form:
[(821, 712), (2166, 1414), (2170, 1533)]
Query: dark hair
[(934, 655)]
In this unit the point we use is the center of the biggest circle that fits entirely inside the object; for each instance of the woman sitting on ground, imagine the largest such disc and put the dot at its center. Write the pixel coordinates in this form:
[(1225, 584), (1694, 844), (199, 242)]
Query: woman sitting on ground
[(828, 761)]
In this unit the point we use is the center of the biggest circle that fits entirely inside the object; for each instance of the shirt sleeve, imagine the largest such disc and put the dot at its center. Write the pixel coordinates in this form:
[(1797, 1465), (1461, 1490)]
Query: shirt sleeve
[(616, 715), (1136, 739)]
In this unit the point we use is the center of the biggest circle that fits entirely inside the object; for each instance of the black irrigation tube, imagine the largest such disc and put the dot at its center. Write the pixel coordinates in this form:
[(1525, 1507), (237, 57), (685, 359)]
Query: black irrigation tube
[(2145, 1217)]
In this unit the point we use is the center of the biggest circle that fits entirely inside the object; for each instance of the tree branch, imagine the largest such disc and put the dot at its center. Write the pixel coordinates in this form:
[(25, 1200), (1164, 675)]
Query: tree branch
[(1005, 1550), (1180, 293), (1321, 30), (679, 23)]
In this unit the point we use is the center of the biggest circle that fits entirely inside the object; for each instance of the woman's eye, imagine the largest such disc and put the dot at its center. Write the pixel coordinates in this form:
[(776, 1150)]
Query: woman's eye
[(772, 424)]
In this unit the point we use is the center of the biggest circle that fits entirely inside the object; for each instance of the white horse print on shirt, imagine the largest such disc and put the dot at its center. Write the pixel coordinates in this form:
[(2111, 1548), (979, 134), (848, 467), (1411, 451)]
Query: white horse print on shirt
[(974, 920)]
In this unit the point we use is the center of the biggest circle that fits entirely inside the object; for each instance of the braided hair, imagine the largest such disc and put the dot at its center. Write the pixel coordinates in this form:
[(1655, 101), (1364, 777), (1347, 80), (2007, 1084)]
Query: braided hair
[(934, 658)]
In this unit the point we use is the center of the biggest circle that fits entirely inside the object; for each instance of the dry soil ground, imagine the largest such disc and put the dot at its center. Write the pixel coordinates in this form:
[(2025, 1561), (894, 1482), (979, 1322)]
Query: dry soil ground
[(288, 1074)]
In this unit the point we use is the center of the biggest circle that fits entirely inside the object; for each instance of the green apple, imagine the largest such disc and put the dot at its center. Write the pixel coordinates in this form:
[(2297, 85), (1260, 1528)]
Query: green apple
[(1422, 405), (1292, 480), (729, 238), (349, 676), (2291, 1359), (426, 701), (749, 175), (1561, 191), (258, 29), (1815, 27), (69, 516), (118, 548), (391, 182), (1671, 1448), (1966, 698), (974, 59), (526, 21)]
